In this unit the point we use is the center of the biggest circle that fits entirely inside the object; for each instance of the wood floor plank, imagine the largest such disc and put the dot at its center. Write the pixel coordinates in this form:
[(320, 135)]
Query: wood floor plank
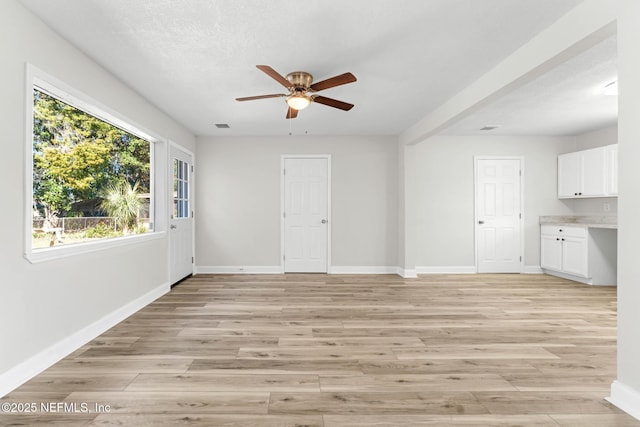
[(317, 353), (113, 365), (509, 403), (78, 381), (448, 366), (600, 420), (248, 366), (173, 402), (481, 351), (370, 403), (188, 419), (353, 342), (263, 332), (438, 421), (414, 382), (347, 350), (230, 383), (47, 419)]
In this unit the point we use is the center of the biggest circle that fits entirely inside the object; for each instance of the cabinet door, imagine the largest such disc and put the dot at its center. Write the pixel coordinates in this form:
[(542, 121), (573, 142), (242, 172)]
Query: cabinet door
[(574, 256), (551, 252), (569, 169), (612, 159), (593, 172)]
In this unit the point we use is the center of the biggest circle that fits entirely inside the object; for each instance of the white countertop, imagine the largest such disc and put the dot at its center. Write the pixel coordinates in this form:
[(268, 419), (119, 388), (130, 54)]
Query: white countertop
[(591, 221)]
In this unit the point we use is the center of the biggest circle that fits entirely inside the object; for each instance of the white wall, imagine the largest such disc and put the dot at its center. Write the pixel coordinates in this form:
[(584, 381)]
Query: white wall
[(625, 391), (444, 195), (238, 200), (597, 138), (43, 304)]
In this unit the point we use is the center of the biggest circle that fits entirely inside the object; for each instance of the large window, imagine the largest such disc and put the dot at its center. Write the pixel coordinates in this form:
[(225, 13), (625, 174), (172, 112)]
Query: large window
[(91, 175)]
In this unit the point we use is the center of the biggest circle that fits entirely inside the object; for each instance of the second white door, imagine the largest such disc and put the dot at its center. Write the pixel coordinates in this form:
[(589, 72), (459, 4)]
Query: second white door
[(305, 215), (181, 223), (498, 215)]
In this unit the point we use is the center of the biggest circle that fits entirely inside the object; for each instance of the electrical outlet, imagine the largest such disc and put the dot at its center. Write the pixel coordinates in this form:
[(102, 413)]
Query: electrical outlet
[(606, 207)]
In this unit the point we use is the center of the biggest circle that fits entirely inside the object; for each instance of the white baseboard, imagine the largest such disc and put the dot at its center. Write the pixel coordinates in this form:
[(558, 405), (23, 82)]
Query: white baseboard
[(363, 270), (18, 375), (447, 269), (532, 269), (625, 398), (276, 269), (237, 269), (568, 276), (407, 273)]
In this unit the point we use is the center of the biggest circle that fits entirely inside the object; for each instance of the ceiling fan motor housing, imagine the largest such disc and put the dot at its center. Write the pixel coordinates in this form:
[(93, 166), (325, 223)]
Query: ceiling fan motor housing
[(300, 80)]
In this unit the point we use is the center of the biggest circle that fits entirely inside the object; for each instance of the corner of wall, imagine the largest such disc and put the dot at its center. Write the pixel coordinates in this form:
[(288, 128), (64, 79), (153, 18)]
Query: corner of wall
[(625, 398)]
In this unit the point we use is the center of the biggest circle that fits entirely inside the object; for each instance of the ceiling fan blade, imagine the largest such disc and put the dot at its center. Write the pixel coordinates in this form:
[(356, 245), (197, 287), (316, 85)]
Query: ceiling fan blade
[(342, 79), (274, 75), (292, 113), (333, 103), (251, 98)]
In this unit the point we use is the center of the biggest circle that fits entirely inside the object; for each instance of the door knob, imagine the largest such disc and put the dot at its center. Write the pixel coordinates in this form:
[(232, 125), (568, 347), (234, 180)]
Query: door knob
[(324, 221)]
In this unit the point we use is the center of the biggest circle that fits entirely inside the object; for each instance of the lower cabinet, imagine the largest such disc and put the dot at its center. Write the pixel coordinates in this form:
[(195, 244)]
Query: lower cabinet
[(587, 255), (564, 249)]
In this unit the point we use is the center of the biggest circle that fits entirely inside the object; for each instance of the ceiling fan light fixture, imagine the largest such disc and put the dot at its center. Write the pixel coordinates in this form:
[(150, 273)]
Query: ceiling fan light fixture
[(298, 101)]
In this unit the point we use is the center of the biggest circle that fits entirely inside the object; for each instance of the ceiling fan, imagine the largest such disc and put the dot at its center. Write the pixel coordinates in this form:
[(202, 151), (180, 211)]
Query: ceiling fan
[(302, 90)]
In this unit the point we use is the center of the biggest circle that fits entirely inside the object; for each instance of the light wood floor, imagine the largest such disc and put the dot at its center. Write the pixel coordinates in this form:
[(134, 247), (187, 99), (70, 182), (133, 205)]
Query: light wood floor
[(356, 351)]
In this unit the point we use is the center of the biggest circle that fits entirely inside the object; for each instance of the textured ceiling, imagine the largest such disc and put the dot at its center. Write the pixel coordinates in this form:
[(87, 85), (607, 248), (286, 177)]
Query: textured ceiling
[(192, 58), (567, 100)]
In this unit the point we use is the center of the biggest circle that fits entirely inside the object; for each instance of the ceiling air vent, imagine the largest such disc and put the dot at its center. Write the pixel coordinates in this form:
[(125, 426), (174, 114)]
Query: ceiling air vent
[(222, 126)]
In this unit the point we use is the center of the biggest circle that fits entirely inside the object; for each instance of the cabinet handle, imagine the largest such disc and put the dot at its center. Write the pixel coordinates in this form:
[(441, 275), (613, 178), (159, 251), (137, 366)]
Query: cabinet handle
[(563, 239), (579, 194), (557, 238), (560, 230)]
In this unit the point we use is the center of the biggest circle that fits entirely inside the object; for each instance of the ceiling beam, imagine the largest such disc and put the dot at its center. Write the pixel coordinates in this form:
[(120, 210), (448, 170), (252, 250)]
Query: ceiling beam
[(581, 28)]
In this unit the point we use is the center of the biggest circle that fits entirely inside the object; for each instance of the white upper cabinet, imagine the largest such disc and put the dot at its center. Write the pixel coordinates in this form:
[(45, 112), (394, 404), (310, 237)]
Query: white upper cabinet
[(588, 173), (612, 161), (569, 170)]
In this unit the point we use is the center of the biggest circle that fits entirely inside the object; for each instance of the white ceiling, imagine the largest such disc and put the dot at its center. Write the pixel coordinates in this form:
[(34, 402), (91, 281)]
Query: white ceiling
[(192, 58), (567, 100)]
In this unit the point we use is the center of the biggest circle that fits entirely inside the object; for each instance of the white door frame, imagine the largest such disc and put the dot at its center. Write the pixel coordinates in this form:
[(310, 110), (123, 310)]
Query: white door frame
[(282, 203), (192, 198), (475, 204)]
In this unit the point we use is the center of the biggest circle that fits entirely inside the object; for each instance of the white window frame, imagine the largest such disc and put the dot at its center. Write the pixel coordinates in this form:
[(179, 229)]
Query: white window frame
[(38, 79)]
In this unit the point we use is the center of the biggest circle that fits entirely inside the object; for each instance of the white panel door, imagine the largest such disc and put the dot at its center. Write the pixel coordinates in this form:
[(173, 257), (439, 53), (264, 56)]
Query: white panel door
[(181, 219), (498, 222), (305, 216)]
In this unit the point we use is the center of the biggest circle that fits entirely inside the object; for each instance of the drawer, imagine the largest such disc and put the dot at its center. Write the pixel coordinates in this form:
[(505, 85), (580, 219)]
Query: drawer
[(562, 230)]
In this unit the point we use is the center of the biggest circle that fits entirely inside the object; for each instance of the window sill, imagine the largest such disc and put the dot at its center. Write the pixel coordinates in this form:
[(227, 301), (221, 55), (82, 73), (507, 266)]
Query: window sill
[(58, 252)]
